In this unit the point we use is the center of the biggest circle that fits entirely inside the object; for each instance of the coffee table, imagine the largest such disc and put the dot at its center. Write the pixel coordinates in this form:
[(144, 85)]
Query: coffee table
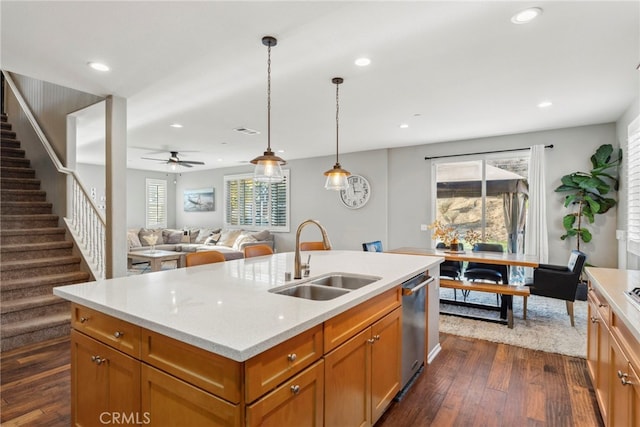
[(155, 258)]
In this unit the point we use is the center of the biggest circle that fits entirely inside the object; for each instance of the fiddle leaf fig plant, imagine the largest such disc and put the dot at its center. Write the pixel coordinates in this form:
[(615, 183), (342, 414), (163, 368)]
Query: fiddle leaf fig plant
[(587, 193)]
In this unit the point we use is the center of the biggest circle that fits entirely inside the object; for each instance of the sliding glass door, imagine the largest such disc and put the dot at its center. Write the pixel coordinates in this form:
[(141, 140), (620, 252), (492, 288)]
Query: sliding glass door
[(485, 195)]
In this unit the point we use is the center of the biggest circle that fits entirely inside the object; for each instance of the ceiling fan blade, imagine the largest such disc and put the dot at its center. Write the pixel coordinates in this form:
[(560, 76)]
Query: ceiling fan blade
[(149, 158), (192, 162), (186, 165)]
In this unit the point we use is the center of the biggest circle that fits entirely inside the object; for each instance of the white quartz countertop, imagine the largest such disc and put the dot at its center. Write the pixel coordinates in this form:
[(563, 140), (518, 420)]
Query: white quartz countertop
[(613, 283), (226, 308)]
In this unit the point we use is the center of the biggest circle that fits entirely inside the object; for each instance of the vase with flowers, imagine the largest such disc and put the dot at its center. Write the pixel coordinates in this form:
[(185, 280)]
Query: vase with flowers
[(151, 239), (447, 234)]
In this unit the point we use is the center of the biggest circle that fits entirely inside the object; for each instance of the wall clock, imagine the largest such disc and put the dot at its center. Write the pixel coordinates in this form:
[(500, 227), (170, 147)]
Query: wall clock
[(358, 193)]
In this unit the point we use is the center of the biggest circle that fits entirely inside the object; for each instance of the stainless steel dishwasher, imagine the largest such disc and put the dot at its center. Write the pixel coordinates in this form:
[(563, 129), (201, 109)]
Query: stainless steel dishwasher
[(414, 325)]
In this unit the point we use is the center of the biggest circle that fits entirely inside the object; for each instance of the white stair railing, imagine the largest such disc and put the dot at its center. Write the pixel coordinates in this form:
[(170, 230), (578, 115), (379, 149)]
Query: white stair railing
[(84, 220)]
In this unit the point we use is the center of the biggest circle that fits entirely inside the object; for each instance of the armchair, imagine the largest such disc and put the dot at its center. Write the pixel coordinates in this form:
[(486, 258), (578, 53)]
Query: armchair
[(558, 281)]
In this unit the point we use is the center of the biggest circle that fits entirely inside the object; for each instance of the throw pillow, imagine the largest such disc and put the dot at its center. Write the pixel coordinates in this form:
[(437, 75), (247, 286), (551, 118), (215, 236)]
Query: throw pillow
[(132, 238), (262, 235), (228, 237), (213, 239), (171, 237), (148, 233), (204, 234), (244, 237)]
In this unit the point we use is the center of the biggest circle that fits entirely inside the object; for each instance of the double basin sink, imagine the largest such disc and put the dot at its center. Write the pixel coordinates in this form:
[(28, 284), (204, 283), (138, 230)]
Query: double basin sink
[(326, 287)]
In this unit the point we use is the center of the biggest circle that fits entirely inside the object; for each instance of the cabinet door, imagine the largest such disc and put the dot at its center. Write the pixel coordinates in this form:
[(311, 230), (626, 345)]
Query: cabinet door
[(385, 361), (592, 341), (620, 394), (168, 401), (298, 402), (602, 379), (348, 383), (634, 378), (105, 384)]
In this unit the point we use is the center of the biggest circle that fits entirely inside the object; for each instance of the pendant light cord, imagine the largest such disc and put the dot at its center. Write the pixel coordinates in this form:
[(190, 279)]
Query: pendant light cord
[(337, 119), (269, 97)]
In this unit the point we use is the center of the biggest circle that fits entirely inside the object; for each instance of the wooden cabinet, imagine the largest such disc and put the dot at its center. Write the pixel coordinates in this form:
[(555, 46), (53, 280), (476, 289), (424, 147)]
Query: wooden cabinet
[(363, 374), (169, 401), (297, 402), (613, 360), (105, 384), (598, 359)]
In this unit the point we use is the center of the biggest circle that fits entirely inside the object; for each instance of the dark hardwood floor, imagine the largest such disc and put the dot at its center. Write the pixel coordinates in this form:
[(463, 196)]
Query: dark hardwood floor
[(471, 383)]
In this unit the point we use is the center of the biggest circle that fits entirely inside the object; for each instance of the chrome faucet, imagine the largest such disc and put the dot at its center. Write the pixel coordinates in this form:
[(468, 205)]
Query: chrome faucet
[(297, 267)]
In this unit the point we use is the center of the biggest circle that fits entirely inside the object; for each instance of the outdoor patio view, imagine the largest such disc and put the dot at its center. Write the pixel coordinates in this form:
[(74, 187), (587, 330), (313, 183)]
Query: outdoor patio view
[(487, 196)]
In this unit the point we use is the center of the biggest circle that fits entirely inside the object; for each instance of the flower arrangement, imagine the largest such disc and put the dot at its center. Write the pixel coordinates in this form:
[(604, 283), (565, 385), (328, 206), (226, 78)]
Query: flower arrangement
[(446, 233), (151, 239)]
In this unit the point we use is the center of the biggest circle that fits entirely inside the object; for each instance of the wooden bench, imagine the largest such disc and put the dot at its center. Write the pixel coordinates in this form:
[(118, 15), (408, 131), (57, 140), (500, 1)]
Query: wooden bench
[(508, 290)]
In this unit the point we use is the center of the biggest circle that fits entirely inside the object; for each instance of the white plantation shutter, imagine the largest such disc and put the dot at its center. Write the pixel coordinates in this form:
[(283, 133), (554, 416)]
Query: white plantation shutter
[(633, 188), (256, 205), (156, 203)]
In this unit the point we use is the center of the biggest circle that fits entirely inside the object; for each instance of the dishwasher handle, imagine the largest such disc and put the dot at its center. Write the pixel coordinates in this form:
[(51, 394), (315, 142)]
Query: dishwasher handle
[(416, 288)]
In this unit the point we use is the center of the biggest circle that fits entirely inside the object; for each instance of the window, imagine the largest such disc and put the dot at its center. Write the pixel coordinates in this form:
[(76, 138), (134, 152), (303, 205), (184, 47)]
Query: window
[(633, 188), (156, 203), (487, 196), (257, 205)]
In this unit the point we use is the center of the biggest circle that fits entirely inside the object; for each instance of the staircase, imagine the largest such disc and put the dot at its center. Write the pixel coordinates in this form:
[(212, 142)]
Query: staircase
[(34, 255)]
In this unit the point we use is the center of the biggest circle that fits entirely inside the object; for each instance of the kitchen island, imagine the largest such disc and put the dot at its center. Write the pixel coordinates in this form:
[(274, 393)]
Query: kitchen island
[(211, 344)]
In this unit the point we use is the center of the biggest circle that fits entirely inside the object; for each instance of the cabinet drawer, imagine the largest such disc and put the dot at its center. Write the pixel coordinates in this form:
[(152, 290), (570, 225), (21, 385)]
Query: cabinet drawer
[(342, 327), (627, 341), (298, 402), (601, 304), (117, 333), (167, 401), (209, 371), (268, 369)]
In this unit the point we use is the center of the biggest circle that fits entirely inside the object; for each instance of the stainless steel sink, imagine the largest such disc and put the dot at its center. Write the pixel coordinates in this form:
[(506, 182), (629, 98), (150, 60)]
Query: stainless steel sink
[(312, 292), (344, 280)]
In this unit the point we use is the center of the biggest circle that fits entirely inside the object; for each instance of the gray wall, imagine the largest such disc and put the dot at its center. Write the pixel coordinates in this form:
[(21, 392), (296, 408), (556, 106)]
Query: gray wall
[(401, 200), (410, 206)]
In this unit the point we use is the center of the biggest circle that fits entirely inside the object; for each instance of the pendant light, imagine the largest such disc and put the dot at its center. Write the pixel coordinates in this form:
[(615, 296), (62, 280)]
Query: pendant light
[(337, 177), (268, 165)]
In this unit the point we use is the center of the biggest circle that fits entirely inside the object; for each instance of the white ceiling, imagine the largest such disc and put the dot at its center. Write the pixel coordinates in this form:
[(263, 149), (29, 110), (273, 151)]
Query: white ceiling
[(451, 70)]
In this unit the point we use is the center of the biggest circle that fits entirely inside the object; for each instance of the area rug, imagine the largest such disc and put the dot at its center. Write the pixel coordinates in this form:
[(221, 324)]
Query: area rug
[(547, 327)]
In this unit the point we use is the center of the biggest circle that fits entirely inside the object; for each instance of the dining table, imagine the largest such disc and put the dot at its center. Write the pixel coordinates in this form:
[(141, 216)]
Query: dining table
[(506, 290)]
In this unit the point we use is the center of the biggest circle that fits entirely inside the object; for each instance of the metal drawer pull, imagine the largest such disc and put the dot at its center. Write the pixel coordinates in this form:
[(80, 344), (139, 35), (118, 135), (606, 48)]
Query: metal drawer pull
[(98, 360), (594, 319), (295, 389), (118, 334), (371, 340), (602, 305), (623, 378), (292, 357), (83, 319), (376, 337)]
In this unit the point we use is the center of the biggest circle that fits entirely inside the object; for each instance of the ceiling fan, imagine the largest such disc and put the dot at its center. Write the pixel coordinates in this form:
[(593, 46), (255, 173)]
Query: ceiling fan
[(174, 160)]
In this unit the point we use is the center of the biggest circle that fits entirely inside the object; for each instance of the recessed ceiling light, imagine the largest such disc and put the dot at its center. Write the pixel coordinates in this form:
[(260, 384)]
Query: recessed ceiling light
[(526, 15), (98, 66), (362, 62), (175, 125), (404, 126), (545, 104)]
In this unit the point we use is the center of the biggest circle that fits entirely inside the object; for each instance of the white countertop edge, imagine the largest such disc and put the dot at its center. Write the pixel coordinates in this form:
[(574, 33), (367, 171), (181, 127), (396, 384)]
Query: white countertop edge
[(241, 355), (621, 312)]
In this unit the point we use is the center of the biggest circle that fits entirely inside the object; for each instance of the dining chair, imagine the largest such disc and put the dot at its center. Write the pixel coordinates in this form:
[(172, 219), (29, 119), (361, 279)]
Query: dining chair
[(491, 272), (450, 269), (558, 281), (257, 250), (375, 246), (203, 257), (312, 246)]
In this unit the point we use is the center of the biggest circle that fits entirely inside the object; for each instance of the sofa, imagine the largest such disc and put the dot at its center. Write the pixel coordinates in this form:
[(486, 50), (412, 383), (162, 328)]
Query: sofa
[(231, 242)]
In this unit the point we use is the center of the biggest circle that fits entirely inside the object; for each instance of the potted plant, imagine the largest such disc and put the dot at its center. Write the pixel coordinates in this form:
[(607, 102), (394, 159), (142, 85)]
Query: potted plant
[(587, 198), (587, 193)]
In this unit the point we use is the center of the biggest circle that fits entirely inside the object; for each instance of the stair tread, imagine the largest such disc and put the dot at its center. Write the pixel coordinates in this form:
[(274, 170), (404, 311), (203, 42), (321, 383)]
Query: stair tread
[(18, 304), (40, 262), (49, 279), (26, 203), (24, 326), (12, 179), (28, 216), (22, 231), (21, 247)]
